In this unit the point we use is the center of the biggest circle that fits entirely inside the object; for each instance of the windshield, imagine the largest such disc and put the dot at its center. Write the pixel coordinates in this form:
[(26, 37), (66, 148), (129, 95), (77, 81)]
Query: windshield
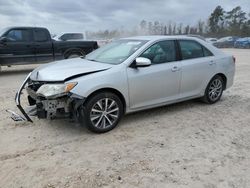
[(115, 52)]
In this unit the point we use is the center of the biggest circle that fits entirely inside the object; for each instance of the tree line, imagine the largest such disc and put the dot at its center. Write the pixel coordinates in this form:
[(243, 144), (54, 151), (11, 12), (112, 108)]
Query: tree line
[(220, 23)]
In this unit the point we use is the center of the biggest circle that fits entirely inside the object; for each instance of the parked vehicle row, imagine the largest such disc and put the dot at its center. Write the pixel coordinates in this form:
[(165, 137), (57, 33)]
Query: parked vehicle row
[(24, 45), (226, 42), (230, 42), (242, 43)]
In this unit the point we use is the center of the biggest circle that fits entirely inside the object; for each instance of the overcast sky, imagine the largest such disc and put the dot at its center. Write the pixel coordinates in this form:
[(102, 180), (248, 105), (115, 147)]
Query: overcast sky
[(80, 15)]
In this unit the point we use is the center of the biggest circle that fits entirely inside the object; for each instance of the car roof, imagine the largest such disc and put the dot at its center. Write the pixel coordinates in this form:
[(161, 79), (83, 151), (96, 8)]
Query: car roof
[(154, 38), (160, 37), (25, 27)]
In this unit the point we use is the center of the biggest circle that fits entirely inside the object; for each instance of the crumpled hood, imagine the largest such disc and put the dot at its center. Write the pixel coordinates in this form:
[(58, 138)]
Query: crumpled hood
[(65, 69)]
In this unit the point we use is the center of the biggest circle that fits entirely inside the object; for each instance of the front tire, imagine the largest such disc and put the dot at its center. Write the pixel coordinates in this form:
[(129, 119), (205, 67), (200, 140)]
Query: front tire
[(102, 112), (214, 90)]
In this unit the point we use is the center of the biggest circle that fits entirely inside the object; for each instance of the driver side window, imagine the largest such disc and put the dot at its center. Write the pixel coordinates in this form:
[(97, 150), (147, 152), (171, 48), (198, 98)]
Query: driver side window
[(161, 52), (19, 35)]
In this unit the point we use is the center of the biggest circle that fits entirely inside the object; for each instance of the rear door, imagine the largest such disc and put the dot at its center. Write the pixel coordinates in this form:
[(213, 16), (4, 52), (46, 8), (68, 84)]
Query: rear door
[(198, 67), (19, 47), (43, 45)]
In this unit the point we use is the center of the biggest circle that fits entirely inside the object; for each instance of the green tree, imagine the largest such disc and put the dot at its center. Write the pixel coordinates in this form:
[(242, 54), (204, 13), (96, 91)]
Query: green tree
[(174, 29), (179, 29), (245, 30), (156, 28), (187, 30), (165, 30), (201, 27), (143, 25), (170, 32), (236, 19), (216, 20), (150, 28)]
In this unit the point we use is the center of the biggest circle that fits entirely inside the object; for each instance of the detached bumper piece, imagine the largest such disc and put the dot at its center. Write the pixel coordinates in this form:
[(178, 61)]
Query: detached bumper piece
[(14, 115)]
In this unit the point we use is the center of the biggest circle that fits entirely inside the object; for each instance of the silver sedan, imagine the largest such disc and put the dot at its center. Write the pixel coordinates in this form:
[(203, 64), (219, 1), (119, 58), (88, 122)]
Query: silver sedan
[(125, 76)]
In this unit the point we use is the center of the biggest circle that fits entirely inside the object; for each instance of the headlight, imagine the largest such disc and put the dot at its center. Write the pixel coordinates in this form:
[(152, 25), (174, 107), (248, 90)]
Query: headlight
[(50, 90)]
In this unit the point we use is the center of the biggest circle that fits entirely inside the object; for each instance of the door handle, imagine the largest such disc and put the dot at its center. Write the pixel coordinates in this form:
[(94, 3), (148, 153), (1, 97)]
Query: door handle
[(175, 68)]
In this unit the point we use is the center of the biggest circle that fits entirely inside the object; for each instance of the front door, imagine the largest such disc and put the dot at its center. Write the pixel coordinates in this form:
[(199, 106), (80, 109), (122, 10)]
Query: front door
[(158, 83), (19, 47)]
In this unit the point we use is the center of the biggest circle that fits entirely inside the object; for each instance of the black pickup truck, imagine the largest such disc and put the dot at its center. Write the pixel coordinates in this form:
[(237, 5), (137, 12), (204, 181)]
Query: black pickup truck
[(26, 45)]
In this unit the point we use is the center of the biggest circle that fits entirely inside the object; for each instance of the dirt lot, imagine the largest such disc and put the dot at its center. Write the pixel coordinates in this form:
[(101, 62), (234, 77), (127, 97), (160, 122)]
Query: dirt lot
[(189, 144)]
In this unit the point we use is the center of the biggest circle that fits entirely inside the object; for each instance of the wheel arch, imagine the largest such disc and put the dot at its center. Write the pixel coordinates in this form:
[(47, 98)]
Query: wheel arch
[(223, 76), (112, 90), (67, 52)]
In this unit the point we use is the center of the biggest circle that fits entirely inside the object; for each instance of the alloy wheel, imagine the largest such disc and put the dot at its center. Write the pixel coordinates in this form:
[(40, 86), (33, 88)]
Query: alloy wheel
[(215, 89), (104, 113)]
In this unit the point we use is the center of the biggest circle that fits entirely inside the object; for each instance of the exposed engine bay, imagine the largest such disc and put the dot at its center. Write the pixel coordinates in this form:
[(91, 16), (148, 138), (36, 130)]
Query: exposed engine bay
[(46, 103), (59, 105)]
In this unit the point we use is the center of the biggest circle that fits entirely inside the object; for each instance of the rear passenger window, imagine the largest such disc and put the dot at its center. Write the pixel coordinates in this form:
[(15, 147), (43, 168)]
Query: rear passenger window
[(161, 52), (71, 36), (190, 49), (41, 35), (65, 37)]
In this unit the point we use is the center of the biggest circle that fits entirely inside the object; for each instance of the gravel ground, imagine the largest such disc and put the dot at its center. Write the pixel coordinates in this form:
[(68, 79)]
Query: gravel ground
[(189, 144)]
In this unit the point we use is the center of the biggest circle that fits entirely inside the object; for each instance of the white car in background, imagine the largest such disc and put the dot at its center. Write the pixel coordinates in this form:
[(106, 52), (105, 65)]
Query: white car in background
[(69, 37), (128, 75), (211, 40)]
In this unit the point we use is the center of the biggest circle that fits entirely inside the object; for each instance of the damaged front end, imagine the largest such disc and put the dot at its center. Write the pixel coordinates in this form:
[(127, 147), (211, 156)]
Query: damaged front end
[(48, 100)]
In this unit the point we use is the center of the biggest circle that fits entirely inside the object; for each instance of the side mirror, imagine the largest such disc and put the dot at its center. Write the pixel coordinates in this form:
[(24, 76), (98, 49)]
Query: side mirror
[(3, 39), (142, 62)]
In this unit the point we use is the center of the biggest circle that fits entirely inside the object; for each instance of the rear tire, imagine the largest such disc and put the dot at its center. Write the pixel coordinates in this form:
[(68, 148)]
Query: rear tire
[(214, 90), (74, 54), (101, 112)]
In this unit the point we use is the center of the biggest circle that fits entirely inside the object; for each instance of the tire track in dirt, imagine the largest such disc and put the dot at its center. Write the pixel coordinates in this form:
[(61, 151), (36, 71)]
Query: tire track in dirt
[(44, 148)]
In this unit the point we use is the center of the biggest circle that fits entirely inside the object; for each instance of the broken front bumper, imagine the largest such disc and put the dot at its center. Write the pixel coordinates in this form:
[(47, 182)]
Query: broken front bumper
[(25, 116), (62, 106)]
